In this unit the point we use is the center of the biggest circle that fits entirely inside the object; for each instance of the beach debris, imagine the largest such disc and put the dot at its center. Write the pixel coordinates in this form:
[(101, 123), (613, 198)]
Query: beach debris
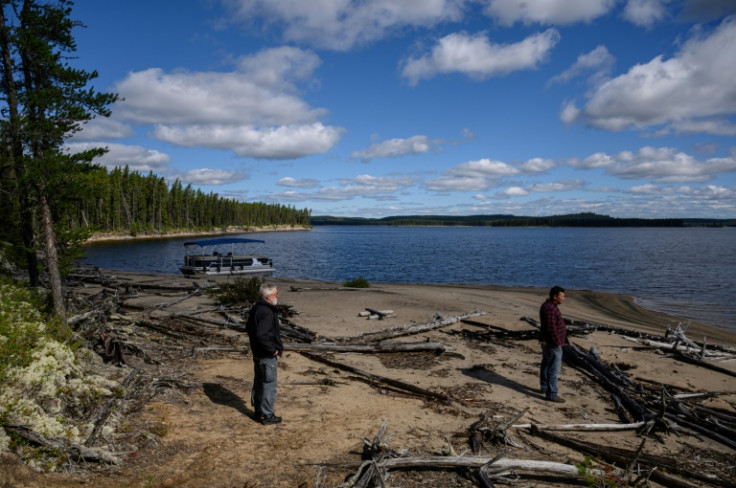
[(488, 429), (406, 330), (372, 348), (379, 462), (374, 314), (583, 427), (73, 452), (378, 380), (652, 464), (110, 406), (165, 339), (112, 349)]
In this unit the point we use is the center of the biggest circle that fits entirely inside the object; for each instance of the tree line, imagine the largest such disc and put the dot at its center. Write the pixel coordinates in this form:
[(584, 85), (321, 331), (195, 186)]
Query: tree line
[(127, 202), (584, 219)]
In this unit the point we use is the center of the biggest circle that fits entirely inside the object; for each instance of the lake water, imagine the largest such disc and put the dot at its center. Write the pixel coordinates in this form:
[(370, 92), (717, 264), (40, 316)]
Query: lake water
[(689, 273)]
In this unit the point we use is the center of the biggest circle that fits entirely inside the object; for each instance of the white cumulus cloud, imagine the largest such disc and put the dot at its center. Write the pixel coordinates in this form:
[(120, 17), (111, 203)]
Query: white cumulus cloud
[(598, 62), (137, 158), (547, 11), (695, 85), (101, 128), (556, 186), (477, 57), (661, 165), (484, 173), (397, 147), (206, 176), (254, 110), (343, 24), (282, 142), (294, 183), (645, 12), (367, 186), (513, 191)]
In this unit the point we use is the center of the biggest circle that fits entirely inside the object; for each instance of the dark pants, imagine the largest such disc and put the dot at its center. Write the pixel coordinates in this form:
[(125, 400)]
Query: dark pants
[(550, 370), (263, 394)]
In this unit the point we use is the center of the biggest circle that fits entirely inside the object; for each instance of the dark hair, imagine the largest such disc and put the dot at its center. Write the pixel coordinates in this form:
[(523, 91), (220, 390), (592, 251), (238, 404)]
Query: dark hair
[(556, 290)]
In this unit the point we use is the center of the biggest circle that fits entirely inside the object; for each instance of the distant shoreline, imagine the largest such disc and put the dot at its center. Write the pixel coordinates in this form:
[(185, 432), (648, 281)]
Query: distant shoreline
[(112, 237)]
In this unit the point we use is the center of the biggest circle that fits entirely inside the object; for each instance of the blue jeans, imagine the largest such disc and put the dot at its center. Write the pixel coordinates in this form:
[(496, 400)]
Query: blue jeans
[(550, 370), (263, 394)]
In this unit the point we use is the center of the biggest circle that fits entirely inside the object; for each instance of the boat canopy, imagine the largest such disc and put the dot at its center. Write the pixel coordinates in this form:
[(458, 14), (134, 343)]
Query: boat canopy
[(222, 241)]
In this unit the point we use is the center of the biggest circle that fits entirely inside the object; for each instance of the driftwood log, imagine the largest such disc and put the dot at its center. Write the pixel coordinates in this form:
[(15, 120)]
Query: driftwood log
[(381, 347), (611, 380), (108, 408), (73, 451), (381, 380), (623, 457), (413, 329), (699, 362), (379, 459), (164, 305), (582, 427)]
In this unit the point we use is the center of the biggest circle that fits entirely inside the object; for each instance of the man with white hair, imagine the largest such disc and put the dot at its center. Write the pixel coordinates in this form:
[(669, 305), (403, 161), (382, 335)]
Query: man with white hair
[(265, 343)]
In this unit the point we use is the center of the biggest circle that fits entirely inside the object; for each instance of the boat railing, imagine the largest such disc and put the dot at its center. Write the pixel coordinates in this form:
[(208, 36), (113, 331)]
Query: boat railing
[(225, 262)]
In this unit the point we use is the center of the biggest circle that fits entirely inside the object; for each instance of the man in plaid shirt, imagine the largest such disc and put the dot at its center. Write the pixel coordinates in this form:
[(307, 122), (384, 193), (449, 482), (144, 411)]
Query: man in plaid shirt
[(553, 335)]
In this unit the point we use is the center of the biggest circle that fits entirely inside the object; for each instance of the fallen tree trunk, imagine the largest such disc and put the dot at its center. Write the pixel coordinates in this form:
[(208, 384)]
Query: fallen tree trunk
[(653, 337), (230, 318), (623, 457), (695, 425), (331, 288), (107, 409), (613, 383), (79, 318), (400, 385), (381, 347), (114, 282), (407, 330), (74, 451), (496, 334), (160, 328), (665, 346), (582, 427), (164, 305), (479, 461), (689, 359)]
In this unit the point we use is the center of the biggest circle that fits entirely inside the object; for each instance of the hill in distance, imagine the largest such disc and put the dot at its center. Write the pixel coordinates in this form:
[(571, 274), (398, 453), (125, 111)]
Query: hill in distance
[(505, 220)]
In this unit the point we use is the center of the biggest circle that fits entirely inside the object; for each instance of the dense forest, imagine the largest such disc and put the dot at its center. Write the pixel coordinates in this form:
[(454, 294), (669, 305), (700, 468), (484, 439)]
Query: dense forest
[(122, 201), (503, 220)]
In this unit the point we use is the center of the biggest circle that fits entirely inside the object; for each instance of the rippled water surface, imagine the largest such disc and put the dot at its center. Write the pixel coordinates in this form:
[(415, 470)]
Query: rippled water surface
[(690, 273)]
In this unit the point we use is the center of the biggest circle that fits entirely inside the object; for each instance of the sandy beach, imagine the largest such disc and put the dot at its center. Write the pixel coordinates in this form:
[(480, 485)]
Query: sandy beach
[(209, 438)]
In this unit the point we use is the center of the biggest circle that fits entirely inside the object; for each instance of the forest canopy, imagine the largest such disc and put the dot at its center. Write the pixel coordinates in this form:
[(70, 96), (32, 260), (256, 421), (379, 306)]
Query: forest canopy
[(127, 202)]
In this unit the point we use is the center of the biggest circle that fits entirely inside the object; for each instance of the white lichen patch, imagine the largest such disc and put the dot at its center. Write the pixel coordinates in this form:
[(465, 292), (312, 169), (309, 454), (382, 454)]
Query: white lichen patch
[(46, 387)]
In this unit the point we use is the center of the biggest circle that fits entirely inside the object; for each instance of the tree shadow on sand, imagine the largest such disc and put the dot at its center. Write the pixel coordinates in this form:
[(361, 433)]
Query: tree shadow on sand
[(222, 396), (489, 376)]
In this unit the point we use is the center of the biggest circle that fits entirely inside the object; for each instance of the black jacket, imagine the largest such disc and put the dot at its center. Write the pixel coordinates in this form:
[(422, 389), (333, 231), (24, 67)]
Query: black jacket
[(263, 330)]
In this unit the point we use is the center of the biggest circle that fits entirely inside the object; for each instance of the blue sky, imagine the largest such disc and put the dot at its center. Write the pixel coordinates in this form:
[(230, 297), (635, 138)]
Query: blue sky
[(456, 107)]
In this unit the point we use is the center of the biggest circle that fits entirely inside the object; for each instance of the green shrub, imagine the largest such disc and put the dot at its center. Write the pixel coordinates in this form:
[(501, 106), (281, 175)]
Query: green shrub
[(606, 480), (238, 291), (357, 283), (21, 327)]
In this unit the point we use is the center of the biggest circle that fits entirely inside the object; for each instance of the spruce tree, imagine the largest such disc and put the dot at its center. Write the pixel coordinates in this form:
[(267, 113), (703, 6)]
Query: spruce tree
[(51, 101)]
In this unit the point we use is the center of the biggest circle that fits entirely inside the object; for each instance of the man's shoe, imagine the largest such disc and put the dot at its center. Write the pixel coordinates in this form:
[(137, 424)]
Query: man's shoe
[(556, 400), (271, 420)]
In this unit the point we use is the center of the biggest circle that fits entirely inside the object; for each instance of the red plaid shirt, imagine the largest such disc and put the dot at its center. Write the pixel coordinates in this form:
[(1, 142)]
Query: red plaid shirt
[(553, 329)]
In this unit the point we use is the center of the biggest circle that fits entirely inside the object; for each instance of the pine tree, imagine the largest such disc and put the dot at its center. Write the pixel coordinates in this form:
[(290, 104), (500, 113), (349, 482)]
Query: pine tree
[(52, 102)]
